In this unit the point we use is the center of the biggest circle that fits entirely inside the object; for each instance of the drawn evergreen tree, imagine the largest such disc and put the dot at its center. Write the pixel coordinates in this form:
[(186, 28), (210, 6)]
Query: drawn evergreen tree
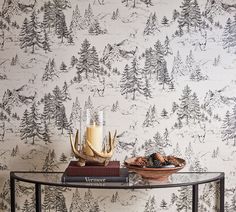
[(178, 66), (196, 75), (147, 2), (76, 21), (49, 162), (152, 207), (83, 65), (62, 122), (190, 63), (185, 109), (50, 71), (24, 35), (165, 21), (70, 38), (125, 82), (76, 204), (73, 61), (60, 203), (88, 200), (34, 33), (88, 16), (175, 15), (163, 204), (136, 82), (164, 78), (95, 207), (48, 16), (184, 201), (48, 108), (174, 197), (147, 89), (63, 157), (24, 126), (189, 152), (185, 18), (45, 42), (94, 67), (150, 118), (26, 207), (158, 60), (227, 35), (167, 49), (175, 107), (48, 199), (151, 25), (164, 113), (233, 33), (196, 113), (196, 15), (45, 133), (63, 66), (225, 133), (75, 116), (61, 27), (95, 28), (232, 126), (148, 66), (58, 98), (65, 92)]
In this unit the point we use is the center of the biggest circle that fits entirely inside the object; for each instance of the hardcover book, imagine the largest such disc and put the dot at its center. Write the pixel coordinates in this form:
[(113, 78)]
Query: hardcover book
[(122, 177), (112, 169)]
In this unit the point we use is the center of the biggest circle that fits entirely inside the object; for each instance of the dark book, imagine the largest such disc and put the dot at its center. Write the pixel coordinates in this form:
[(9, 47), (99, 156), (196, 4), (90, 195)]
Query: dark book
[(123, 177), (112, 169)]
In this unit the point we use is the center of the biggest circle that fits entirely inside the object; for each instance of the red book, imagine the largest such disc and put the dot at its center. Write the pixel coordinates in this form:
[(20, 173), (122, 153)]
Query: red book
[(112, 169)]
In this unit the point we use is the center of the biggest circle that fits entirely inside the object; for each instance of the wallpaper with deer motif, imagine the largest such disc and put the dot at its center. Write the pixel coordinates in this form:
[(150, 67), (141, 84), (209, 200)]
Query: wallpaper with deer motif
[(163, 72)]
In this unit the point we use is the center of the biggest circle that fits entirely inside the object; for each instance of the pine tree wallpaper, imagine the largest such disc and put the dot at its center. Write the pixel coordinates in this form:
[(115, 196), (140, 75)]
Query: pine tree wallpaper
[(163, 71)]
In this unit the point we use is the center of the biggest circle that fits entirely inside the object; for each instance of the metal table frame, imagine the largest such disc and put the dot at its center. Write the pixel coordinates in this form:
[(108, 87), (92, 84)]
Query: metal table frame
[(13, 177)]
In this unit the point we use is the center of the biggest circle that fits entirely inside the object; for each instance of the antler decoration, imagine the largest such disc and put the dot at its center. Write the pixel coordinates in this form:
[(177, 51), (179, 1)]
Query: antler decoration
[(96, 158)]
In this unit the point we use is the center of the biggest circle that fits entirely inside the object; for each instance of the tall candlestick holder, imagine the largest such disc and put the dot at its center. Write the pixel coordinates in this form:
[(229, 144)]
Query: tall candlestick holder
[(92, 148)]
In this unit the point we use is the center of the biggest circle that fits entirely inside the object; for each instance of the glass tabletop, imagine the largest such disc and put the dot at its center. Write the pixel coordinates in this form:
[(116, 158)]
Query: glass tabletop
[(135, 181)]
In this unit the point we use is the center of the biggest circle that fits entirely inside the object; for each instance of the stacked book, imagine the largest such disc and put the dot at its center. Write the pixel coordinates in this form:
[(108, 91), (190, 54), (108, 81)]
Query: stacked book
[(95, 174)]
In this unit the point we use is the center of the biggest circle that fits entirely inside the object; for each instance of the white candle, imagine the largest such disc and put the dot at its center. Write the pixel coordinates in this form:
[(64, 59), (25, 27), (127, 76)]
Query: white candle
[(94, 134)]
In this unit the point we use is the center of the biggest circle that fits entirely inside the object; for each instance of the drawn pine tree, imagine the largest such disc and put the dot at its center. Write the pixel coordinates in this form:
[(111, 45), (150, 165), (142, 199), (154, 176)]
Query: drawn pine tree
[(48, 16), (232, 127), (163, 204), (70, 38), (63, 157), (75, 116), (95, 28), (225, 132), (147, 2), (175, 15), (94, 62), (227, 35), (196, 113), (95, 207), (158, 60), (185, 18), (76, 21), (178, 66), (184, 201), (63, 66), (57, 102), (165, 21), (196, 16), (26, 207), (190, 63), (88, 200), (50, 71), (185, 109), (83, 65), (148, 66), (49, 162), (196, 75), (151, 117), (48, 108), (147, 89), (65, 92), (60, 203), (167, 49), (73, 61), (88, 16), (125, 82), (23, 36), (48, 199), (151, 25), (34, 33), (34, 126), (62, 122), (61, 27), (76, 204), (164, 113), (174, 197), (164, 78), (189, 152), (45, 133), (45, 42), (24, 126)]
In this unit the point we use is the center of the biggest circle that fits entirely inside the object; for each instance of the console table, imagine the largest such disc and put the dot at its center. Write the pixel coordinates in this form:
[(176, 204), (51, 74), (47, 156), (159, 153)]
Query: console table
[(175, 180)]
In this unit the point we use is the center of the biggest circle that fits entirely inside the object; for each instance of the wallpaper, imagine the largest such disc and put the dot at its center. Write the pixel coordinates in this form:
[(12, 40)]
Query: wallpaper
[(163, 72)]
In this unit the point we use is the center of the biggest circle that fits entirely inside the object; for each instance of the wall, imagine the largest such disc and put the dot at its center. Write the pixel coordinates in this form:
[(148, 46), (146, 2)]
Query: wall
[(164, 71)]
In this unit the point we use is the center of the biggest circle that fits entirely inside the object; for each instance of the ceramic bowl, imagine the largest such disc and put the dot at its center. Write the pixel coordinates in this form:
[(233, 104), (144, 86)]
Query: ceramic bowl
[(154, 173)]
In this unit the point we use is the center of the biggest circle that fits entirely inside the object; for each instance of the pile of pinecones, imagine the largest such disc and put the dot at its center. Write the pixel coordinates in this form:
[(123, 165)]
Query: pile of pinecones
[(156, 160)]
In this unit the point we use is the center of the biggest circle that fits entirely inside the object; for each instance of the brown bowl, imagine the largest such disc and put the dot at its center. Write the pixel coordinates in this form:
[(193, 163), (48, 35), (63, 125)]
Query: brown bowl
[(154, 173)]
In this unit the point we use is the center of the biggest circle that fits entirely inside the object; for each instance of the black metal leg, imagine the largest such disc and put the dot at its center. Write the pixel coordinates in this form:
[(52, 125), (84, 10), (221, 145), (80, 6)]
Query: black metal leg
[(222, 194), (38, 197), (12, 190), (195, 198)]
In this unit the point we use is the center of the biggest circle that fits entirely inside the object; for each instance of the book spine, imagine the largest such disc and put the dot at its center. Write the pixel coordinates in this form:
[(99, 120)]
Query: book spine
[(95, 179)]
